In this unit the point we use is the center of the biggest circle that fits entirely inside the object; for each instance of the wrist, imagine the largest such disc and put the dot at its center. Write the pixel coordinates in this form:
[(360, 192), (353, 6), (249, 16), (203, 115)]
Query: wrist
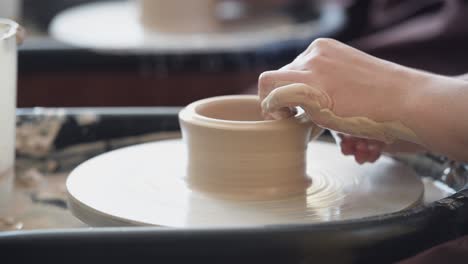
[(407, 100), (426, 108), (414, 90), (408, 89)]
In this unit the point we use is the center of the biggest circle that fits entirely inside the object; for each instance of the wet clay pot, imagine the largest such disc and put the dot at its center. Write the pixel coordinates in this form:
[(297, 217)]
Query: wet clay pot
[(236, 154), (179, 16)]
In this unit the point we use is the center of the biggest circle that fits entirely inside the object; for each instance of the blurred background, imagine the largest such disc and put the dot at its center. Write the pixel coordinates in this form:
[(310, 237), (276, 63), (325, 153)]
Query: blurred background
[(172, 52)]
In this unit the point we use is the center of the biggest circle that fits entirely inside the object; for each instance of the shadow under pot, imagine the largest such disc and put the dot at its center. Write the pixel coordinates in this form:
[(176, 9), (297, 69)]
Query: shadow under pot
[(233, 153)]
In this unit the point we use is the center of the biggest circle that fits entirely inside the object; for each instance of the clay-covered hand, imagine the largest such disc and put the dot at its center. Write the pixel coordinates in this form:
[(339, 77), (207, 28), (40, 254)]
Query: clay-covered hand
[(346, 90), (343, 89)]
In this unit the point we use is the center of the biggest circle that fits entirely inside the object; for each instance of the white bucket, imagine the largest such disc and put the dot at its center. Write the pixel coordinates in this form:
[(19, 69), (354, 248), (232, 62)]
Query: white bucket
[(10, 8), (8, 71)]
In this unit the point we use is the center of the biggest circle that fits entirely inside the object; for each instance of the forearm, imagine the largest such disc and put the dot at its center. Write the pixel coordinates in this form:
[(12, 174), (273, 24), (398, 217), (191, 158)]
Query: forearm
[(437, 112)]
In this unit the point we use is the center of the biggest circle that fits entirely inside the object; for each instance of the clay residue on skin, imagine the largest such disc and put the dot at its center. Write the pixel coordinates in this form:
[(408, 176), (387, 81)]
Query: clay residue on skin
[(387, 132), (314, 102)]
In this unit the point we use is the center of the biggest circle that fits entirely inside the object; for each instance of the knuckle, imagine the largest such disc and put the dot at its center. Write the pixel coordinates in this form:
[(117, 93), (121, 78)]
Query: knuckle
[(316, 60), (312, 64), (322, 43), (264, 78), (274, 93)]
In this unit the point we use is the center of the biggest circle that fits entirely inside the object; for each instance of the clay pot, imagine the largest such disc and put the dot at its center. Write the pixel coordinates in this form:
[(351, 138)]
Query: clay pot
[(234, 153), (179, 16)]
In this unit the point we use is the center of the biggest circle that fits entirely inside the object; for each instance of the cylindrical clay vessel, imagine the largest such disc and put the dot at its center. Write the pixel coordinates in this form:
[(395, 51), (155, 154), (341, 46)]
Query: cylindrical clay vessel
[(235, 154), (179, 16)]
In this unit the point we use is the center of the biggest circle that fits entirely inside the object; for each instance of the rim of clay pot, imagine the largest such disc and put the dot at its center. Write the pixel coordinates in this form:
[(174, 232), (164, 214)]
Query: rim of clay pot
[(8, 28), (193, 114)]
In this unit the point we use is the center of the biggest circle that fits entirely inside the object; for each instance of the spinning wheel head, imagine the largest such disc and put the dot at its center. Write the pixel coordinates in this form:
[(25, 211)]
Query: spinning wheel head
[(146, 185)]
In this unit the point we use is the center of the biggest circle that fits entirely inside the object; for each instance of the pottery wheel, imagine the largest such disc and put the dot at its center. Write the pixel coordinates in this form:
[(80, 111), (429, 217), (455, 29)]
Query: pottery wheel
[(144, 185), (115, 26)]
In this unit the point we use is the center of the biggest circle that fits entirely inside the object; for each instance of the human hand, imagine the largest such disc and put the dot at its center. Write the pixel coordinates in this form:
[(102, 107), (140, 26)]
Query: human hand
[(342, 89), (363, 150), (351, 92)]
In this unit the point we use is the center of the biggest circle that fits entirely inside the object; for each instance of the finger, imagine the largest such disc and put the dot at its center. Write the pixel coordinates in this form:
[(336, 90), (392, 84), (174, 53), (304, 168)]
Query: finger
[(318, 43), (347, 144), (297, 94), (347, 148), (358, 157), (375, 143), (270, 80), (282, 113), (286, 67), (348, 137), (375, 146), (362, 152), (374, 155)]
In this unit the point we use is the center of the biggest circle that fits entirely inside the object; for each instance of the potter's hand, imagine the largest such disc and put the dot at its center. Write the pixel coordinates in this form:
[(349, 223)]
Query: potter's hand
[(342, 89), (348, 91)]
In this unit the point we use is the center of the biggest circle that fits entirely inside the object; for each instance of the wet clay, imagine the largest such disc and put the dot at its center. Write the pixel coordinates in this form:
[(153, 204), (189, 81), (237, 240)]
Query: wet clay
[(231, 109), (178, 16), (387, 132), (125, 31), (234, 153)]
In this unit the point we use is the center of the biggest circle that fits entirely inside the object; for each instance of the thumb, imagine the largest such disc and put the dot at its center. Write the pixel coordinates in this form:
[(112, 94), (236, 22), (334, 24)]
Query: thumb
[(311, 99)]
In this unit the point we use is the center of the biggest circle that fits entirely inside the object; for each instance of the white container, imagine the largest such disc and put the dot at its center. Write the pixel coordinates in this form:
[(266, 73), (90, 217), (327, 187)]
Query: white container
[(10, 8), (8, 64)]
